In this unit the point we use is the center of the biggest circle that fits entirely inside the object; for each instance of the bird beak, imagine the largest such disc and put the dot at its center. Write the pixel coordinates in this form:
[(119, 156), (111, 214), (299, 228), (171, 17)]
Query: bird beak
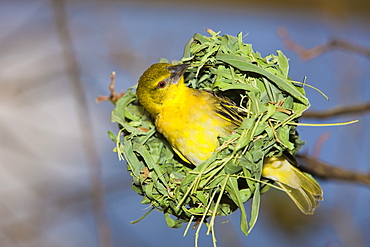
[(177, 71)]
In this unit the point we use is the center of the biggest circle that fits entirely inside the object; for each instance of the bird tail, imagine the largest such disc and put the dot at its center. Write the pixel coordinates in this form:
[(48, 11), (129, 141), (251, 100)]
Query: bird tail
[(300, 187)]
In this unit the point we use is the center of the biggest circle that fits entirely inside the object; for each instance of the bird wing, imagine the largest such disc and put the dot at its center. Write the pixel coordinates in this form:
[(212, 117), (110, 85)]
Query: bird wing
[(228, 110)]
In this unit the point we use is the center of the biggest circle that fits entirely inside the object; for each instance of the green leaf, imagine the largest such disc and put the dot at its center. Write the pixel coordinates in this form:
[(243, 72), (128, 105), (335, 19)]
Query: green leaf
[(231, 168), (238, 86), (283, 134), (120, 112), (255, 207), (149, 161), (283, 63), (171, 222), (187, 52), (134, 164), (244, 65), (112, 136), (233, 189)]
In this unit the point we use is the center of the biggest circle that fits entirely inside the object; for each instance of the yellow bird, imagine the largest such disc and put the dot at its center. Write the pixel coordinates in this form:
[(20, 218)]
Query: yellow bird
[(192, 119)]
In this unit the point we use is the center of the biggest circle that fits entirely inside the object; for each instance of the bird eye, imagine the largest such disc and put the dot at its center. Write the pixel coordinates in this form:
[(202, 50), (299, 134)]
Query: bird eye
[(161, 84)]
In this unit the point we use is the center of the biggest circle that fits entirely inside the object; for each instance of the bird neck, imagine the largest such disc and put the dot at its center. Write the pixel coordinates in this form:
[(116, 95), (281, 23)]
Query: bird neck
[(176, 95)]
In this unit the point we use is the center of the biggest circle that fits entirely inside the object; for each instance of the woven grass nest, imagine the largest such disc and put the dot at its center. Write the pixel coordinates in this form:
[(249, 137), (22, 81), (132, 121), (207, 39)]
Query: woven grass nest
[(222, 184)]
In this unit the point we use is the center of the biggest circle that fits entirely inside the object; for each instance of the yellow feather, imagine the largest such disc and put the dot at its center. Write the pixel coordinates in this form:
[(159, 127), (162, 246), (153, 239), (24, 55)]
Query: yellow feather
[(302, 189)]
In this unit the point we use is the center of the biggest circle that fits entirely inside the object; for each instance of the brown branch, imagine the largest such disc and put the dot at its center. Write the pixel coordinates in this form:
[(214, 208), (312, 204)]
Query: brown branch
[(326, 171), (114, 96), (84, 120), (361, 108), (334, 43)]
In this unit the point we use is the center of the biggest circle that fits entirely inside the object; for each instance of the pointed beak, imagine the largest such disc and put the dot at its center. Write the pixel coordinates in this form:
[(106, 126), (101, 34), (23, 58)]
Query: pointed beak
[(177, 71)]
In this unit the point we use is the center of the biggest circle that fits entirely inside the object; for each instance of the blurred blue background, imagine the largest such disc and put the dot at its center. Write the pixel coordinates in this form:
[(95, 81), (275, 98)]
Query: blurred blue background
[(57, 161)]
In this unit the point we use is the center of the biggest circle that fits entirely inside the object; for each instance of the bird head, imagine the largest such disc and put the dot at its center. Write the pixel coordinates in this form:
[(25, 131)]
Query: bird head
[(158, 82)]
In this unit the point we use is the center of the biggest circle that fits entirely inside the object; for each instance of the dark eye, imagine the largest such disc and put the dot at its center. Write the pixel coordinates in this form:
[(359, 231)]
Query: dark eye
[(161, 84)]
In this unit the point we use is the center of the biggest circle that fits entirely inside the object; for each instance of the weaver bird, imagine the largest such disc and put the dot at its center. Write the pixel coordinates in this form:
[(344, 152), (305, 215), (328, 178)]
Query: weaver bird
[(192, 120)]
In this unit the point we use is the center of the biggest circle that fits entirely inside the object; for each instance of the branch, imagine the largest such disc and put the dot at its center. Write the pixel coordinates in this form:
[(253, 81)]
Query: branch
[(84, 120), (114, 96), (334, 43), (338, 111), (327, 171)]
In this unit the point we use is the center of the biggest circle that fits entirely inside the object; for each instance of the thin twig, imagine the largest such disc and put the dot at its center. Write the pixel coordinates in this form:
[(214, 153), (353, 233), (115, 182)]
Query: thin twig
[(114, 96), (334, 43), (327, 171), (84, 119), (361, 108)]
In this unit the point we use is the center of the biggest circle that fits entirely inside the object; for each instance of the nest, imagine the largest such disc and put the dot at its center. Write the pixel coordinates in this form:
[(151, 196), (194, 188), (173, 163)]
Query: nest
[(272, 104)]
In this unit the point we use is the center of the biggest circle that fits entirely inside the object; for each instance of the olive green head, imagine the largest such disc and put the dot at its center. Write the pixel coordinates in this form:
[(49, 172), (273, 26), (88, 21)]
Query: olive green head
[(156, 83)]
